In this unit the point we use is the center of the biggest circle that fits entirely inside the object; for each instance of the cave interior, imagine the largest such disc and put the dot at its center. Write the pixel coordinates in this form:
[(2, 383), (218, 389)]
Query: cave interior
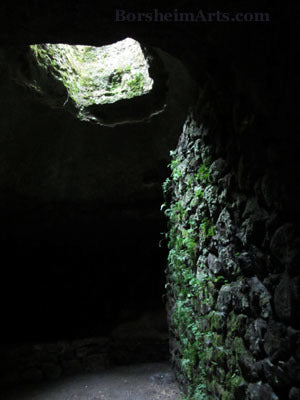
[(84, 250)]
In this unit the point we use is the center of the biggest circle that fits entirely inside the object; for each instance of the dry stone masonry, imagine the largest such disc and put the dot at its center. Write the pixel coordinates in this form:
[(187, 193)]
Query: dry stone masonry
[(233, 282), (71, 189)]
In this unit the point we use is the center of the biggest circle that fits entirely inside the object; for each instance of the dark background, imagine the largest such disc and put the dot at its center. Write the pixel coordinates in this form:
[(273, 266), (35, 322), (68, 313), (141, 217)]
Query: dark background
[(80, 249)]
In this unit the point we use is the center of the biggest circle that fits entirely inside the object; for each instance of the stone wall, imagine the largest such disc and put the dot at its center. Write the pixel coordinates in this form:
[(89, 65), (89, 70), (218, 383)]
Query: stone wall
[(234, 205), (233, 278)]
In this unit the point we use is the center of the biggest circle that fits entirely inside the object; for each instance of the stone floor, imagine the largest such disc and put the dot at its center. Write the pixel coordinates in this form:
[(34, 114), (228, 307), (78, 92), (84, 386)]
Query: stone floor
[(136, 382)]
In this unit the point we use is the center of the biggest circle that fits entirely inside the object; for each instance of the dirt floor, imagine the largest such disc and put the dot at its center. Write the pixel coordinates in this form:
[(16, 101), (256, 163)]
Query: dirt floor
[(135, 382)]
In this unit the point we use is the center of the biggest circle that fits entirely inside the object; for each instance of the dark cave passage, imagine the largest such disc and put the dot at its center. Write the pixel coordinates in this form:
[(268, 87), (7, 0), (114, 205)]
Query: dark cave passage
[(81, 209), (100, 166), (77, 278)]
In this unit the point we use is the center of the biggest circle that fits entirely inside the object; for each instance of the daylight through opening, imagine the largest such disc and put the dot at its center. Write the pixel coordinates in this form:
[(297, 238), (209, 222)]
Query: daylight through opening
[(97, 75)]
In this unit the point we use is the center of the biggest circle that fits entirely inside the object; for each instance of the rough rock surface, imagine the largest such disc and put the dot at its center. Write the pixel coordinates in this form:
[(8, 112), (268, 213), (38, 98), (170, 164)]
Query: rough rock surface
[(232, 282), (247, 69)]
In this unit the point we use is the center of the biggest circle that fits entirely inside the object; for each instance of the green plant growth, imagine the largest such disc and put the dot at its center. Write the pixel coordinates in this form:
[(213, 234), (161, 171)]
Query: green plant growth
[(89, 54), (199, 193), (166, 186), (92, 75), (136, 84), (207, 228), (201, 347), (203, 173)]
